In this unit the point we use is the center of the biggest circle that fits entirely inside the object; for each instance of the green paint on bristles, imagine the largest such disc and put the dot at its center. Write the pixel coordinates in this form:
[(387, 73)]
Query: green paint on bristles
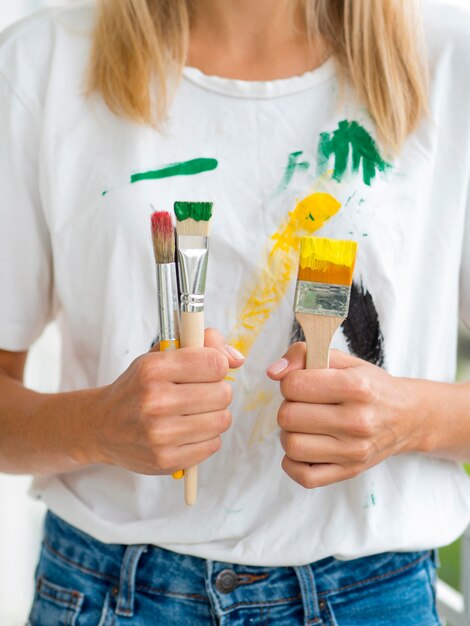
[(198, 211)]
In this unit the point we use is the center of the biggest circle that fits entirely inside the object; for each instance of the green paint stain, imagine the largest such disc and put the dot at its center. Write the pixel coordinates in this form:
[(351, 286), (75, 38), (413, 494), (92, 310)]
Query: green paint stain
[(293, 164), (199, 211), (373, 499), (310, 217), (185, 168), (350, 139)]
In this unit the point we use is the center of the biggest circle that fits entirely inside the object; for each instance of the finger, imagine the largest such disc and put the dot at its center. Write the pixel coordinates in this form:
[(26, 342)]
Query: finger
[(313, 419), (313, 448), (189, 399), (188, 365), (340, 360), (181, 430), (322, 386), (214, 339), (294, 359), (313, 476), (193, 454)]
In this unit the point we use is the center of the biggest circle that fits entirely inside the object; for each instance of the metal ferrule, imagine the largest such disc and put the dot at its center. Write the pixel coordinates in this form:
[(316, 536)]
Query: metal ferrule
[(193, 253), (168, 308), (321, 299)]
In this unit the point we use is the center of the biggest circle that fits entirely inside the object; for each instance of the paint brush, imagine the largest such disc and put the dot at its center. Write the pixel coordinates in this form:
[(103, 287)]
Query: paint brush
[(163, 237), (322, 293), (192, 230)]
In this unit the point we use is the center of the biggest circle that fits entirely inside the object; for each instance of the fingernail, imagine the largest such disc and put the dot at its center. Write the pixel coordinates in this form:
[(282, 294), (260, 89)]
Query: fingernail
[(233, 352), (278, 366)]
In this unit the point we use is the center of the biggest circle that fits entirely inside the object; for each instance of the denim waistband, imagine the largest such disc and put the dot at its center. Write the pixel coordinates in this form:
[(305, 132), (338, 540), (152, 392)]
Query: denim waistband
[(156, 570)]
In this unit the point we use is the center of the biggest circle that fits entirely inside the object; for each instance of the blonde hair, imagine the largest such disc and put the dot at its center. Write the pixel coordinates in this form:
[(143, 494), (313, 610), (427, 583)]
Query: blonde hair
[(139, 44)]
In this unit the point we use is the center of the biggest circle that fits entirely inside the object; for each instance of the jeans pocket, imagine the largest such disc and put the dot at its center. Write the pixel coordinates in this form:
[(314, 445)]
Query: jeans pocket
[(406, 597), (55, 605)]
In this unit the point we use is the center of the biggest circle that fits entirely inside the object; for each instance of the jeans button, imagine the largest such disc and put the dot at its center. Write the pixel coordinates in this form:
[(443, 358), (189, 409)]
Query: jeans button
[(226, 581)]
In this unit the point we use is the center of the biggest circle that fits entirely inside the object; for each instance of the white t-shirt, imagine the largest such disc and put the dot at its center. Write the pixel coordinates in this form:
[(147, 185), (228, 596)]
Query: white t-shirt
[(278, 159)]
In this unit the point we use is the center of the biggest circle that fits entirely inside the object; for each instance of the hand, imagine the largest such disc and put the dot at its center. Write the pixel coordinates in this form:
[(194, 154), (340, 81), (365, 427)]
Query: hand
[(338, 422), (168, 409)]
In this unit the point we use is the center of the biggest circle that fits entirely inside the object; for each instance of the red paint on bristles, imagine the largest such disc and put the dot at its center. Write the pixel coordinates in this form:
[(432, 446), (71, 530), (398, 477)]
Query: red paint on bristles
[(163, 236), (162, 224)]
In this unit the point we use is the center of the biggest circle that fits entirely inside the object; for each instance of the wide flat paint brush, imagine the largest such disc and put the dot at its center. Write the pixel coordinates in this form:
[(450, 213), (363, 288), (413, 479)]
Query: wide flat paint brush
[(192, 230), (163, 237), (322, 293)]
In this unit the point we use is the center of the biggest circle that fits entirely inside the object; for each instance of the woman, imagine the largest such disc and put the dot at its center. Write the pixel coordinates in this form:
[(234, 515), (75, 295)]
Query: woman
[(316, 118)]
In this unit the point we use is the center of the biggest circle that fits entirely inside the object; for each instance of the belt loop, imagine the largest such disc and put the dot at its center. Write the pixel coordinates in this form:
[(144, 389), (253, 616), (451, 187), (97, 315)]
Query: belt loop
[(309, 594), (125, 597)]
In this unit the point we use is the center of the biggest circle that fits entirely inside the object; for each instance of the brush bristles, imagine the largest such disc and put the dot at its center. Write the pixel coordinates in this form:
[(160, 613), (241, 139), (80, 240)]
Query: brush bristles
[(191, 227), (163, 236), (329, 261), (193, 218)]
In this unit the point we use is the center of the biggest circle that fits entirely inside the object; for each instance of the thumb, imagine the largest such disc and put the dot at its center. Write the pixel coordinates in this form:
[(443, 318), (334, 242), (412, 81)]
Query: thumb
[(214, 339), (340, 360), (294, 359)]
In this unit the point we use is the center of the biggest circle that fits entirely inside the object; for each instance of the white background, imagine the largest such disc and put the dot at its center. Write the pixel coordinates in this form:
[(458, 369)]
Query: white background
[(20, 516)]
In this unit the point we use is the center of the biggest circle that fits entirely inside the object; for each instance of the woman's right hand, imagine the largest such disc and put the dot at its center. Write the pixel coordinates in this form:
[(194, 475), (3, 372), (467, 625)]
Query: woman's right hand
[(167, 411)]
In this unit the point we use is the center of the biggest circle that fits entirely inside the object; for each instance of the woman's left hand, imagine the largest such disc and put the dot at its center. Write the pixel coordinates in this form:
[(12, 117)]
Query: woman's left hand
[(338, 422)]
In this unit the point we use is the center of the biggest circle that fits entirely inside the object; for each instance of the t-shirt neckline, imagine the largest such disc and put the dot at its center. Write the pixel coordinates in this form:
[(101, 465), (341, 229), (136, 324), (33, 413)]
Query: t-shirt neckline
[(261, 89)]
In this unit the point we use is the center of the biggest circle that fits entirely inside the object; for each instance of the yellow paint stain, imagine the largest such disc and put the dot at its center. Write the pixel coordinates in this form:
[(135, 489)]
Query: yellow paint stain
[(327, 260), (265, 421), (280, 267)]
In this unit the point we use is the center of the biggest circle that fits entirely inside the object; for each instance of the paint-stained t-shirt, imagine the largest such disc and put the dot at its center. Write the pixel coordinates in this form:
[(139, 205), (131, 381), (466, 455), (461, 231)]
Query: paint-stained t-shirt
[(279, 160)]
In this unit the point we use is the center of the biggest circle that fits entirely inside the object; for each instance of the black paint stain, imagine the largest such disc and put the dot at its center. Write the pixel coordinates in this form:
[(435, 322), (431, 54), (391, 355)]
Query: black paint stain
[(297, 334), (361, 328)]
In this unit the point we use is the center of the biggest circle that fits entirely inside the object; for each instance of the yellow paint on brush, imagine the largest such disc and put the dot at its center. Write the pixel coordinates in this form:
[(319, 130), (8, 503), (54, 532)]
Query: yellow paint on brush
[(280, 267), (169, 345), (327, 260)]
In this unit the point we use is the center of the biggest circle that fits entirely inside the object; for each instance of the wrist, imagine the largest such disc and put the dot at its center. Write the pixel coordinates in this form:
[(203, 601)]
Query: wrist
[(424, 403), (78, 415)]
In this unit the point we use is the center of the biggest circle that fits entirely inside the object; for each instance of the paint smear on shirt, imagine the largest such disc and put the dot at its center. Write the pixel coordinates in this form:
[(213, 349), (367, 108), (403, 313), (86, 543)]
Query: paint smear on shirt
[(280, 267), (265, 423), (293, 163), (351, 144), (185, 168), (370, 500)]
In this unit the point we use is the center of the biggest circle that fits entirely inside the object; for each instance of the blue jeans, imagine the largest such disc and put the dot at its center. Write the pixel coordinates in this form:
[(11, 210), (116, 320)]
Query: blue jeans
[(83, 582)]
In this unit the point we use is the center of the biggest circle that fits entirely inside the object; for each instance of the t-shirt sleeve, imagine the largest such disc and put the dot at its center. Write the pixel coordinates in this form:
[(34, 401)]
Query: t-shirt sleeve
[(465, 269), (25, 250)]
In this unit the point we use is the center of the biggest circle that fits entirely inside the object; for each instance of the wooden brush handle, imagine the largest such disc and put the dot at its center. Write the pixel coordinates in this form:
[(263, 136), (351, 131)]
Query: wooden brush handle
[(191, 336), (192, 330), (318, 331)]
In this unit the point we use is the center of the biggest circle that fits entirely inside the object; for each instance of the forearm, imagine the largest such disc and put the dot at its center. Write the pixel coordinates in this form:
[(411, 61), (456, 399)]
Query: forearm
[(45, 433), (440, 414)]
